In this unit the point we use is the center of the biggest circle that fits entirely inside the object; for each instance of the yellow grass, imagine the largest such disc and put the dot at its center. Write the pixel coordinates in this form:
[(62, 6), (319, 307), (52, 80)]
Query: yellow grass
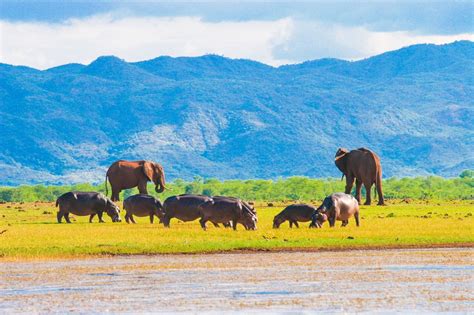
[(30, 231)]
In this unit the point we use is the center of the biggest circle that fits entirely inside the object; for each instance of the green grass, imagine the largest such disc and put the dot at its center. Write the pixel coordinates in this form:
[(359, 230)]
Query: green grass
[(30, 231)]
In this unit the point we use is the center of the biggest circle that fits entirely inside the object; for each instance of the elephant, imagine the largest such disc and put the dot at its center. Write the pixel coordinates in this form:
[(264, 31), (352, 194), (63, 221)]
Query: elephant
[(128, 174), (364, 166)]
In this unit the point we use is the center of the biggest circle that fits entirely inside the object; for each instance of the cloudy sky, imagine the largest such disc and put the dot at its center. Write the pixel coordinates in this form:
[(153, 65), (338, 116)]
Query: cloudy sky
[(44, 34)]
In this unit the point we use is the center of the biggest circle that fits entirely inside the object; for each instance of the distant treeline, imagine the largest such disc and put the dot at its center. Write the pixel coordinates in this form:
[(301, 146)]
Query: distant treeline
[(293, 188)]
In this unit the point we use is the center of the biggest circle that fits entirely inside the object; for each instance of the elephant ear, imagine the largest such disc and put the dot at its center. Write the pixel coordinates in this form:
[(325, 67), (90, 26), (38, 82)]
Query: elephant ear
[(148, 170), (340, 160), (340, 153)]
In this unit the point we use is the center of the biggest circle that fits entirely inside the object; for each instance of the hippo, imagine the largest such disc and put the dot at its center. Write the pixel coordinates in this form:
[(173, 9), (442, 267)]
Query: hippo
[(142, 205), (245, 206), (338, 206), (86, 203), (183, 207), (224, 209), (294, 214)]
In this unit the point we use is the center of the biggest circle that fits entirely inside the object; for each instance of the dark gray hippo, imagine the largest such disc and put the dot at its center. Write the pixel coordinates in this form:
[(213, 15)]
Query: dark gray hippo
[(338, 206), (142, 205), (294, 214), (182, 207), (223, 210), (86, 203), (245, 206)]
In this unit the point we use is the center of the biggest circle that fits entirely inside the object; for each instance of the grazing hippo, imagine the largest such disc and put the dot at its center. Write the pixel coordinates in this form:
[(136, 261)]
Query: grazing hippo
[(338, 206), (293, 214), (182, 207), (142, 205), (245, 206), (223, 209), (86, 203)]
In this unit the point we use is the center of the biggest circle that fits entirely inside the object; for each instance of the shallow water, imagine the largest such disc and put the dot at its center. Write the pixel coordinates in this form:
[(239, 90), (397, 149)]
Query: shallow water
[(429, 280)]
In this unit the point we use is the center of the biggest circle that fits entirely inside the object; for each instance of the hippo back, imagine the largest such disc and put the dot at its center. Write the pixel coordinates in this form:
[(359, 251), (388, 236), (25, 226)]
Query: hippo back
[(184, 207)]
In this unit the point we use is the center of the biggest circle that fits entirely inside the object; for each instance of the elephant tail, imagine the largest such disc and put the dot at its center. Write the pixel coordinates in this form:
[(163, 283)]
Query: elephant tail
[(106, 190)]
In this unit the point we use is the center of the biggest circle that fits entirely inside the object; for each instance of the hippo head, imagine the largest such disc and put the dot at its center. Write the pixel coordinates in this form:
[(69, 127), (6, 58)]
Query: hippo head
[(277, 221), (249, 220), (318, 218), (113, 211), (160, 212)]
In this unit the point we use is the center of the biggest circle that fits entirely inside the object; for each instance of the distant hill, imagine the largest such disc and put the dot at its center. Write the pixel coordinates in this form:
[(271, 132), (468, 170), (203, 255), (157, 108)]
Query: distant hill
[(233, 118)]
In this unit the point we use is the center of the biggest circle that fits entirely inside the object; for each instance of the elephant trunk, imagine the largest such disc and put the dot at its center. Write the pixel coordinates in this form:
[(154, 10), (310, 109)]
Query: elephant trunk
[(160, 184), (160, 189)]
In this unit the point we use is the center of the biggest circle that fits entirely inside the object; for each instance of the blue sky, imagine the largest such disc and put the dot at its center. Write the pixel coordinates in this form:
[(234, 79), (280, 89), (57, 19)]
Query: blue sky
[(44, 34)]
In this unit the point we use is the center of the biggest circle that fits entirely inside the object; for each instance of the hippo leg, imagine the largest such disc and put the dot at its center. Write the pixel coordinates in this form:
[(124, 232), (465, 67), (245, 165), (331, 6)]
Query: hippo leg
[(99, 214), (59, 216), (296, 224), (127, 218), (151, 218), (332, 219), (356, 216), (160, 220), (203, 221), (66, 216), (234, 224), (91, 217), (132, 219)]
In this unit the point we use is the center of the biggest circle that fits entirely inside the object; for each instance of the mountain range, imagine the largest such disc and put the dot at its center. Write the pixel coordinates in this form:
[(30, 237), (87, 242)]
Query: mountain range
[(233, 118)]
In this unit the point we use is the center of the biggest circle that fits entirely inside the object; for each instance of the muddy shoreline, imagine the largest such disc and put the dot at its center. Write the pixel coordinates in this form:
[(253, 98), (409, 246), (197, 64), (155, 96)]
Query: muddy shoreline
[(246, 251), (427, 280)]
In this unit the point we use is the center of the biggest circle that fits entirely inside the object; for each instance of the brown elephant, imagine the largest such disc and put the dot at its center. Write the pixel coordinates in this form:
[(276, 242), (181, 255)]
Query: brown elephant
[(364, 166), (128, 174)]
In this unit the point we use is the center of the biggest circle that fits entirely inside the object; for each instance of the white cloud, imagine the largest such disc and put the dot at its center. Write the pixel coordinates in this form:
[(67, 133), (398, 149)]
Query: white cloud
[(43, 45), (313, 40), (275, 42)]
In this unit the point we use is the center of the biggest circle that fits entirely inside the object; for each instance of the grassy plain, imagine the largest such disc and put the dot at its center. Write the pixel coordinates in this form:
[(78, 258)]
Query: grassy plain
[(30, 231)]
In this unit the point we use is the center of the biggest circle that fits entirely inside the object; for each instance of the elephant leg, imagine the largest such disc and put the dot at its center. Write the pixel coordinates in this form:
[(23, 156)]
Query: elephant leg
[(142, 187), (66, 216), (99, 215), (296, 224), (91, 217), (368, 198), (151, 218), (115, 194), (356, 216), (358, 190), (349, 183)]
